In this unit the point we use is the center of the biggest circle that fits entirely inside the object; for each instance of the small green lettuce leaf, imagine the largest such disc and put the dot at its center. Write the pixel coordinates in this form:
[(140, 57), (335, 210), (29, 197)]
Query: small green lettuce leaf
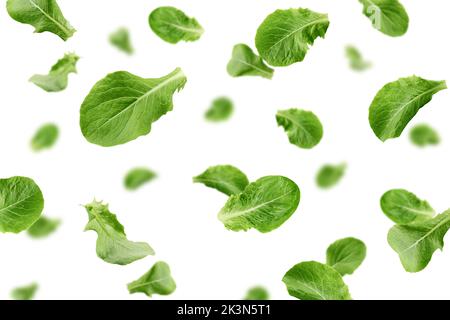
[(404, 207), (43, 15), (137, 177), (387, 16), (221, 110), (173, 25), (264, 205), (43, 227), (303, 128), (156, 281), (356, 60), (285, 36), (121, 40), (225, 178), (416, 243), (423, 135), (244, 62), (58, 77), (122, 107), (45, 137), (25, 293), (112, 243), (257, 293), (398, 102), (21, 204), (315, 281), (330, 175), (346, 255)]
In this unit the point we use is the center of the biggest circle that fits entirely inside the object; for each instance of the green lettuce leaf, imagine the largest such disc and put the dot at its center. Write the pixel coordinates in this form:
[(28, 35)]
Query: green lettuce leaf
[(21, 204), (303, 128), (43, 15), (387, 16), (45, 137), (264, 205), (286, 35), (225, 178), (137, 177), (121, 40), (122, 107), (315, 281), (158, 280), (404, 207), (423, 135), (330, 175), (173, 25), (221, 110), (43, 227), (244, 62), (58, 77), (398, 102), (112, 243), (25, 293), (346, 255), (416, 243)]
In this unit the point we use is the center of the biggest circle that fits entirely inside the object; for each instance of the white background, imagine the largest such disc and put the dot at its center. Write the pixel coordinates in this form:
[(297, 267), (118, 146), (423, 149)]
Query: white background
[(178, 218)]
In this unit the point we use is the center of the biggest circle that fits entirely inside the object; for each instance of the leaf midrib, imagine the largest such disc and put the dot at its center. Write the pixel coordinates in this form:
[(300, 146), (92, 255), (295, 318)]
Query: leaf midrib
[(158, 87), (390, 128), (317, 21), (144, 284), (253, 66), (295, 122), (235, 214), (447, 219), (198, 30), (64, 29), (14, 204)]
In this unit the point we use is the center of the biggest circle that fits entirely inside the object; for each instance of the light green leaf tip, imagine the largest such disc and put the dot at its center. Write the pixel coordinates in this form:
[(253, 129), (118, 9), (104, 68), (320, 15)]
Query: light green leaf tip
[(112, 243)]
